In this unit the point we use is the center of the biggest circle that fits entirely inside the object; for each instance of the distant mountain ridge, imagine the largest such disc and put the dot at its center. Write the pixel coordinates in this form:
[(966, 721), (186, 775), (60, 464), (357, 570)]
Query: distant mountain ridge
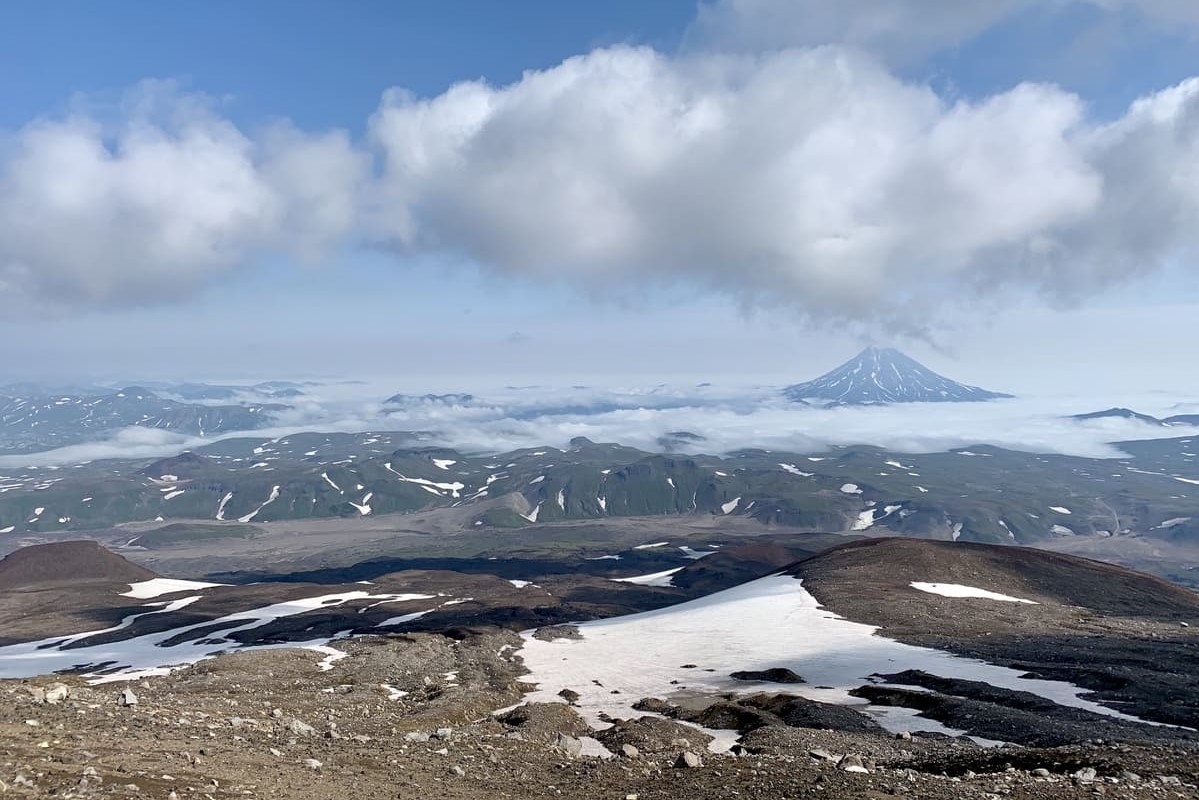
[(1128, 413), (29, 423), (884, 375)]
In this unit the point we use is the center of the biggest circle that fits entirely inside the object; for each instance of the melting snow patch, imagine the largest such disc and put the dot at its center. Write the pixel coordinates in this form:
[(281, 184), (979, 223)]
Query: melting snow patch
[(273, 497), (149, 654), (695, 554), (156, 587), (730, 505), (392, 692), (1059, 509), (864, 520), (431, 486), (444, 463), (220, 509), (519, 584), (851, 488), (400, 620), (958, 590), (332, 655), (651, 545), (794, 470), (653, 579)]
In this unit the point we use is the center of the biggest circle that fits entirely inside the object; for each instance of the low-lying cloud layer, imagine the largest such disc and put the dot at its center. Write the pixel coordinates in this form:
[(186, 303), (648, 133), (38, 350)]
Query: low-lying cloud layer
[(725, 419), (809, 177)]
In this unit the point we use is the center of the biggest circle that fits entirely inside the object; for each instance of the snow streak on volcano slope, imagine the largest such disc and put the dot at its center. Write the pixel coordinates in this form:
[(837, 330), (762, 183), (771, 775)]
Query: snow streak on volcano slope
[(143, 656), (770, 622)]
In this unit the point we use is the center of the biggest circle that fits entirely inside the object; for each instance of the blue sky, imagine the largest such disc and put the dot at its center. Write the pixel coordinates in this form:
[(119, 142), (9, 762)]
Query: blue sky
[(320, 64), (636, 262)]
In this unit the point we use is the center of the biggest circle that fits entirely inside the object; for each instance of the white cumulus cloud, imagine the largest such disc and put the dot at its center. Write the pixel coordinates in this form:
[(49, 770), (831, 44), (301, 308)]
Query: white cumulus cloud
[(157, 203)]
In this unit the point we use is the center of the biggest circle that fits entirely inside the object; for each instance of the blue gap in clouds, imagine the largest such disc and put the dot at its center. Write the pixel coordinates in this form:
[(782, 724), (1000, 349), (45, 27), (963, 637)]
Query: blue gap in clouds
[(320, 63), (1109, 59)]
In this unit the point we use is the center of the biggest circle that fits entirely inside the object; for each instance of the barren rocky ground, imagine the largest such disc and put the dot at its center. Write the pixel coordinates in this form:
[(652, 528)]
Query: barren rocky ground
[(411, 716)]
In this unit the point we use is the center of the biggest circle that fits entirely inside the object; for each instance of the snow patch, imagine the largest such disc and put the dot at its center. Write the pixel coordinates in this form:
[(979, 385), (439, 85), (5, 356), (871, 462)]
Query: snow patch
[(959, 590), (653, 579), (156, 587)]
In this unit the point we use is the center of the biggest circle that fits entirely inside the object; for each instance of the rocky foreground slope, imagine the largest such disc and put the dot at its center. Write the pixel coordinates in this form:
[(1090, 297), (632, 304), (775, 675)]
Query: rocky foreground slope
[(755, 691), (408, 717)]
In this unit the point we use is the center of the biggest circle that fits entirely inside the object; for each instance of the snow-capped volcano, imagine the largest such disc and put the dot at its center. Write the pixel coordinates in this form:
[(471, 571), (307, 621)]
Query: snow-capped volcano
[(885, 375)]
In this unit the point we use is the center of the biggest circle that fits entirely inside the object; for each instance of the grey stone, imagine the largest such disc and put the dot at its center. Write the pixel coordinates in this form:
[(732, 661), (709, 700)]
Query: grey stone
[(852, 763), (56, 693), (300, 728), (688, 760), (570, 744), (127, 697)]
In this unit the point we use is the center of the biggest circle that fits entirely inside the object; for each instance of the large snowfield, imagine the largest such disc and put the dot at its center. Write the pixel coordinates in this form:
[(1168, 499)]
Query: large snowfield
[(770, 622)]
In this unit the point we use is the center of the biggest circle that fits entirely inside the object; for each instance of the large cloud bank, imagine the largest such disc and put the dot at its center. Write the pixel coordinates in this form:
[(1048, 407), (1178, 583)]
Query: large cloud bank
[(807, 176)]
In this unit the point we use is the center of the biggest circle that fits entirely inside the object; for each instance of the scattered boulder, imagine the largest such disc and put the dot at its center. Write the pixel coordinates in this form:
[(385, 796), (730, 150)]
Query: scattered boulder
[(570, 744), (1085, 775), (728, 715), (800, 712), (551, 632), (656, 706), (772, 675), (852, 763), (652, 735), (127, 698), (56, 693), (545, 722), (569, 695), (299, 727), (629, 751), (688, 760)]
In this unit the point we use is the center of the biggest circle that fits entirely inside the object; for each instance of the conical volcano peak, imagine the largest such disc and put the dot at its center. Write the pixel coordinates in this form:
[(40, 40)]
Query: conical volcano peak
[(885, 375)]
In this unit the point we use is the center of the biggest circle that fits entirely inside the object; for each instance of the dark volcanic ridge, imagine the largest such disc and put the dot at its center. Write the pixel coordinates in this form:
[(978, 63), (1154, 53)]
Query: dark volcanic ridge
[(885, 375), (67, 562), (1128, 637)]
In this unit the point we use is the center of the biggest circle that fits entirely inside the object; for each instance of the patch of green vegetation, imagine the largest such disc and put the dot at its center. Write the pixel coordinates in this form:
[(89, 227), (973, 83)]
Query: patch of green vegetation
[(186, 533)]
